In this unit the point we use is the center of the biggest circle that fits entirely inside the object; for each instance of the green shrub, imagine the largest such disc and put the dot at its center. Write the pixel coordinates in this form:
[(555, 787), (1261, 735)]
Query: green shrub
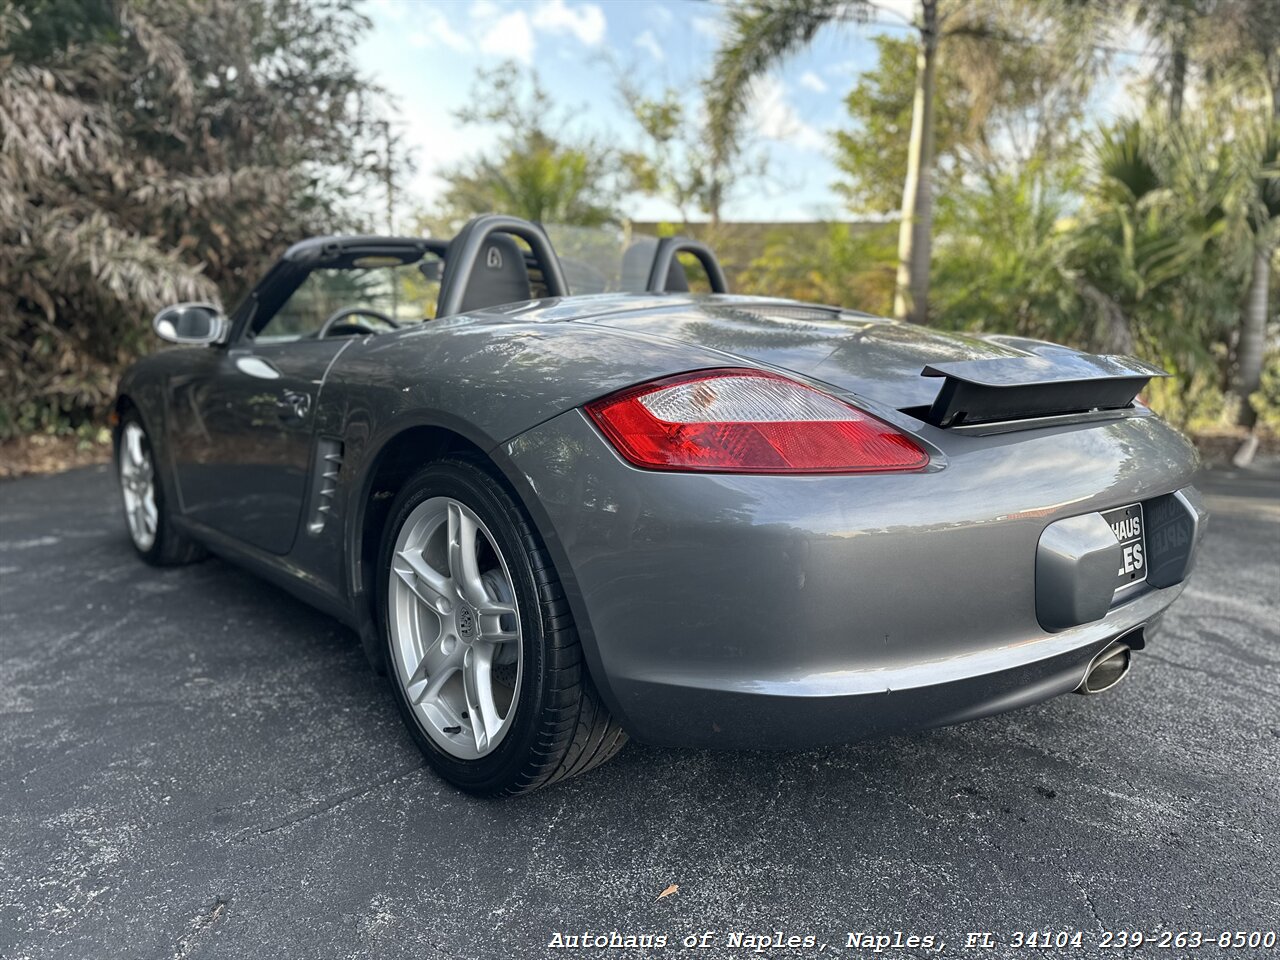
[(1267, 400)]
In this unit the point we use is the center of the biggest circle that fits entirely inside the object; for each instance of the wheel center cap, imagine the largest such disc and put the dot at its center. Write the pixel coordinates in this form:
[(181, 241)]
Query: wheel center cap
[(466, 622)]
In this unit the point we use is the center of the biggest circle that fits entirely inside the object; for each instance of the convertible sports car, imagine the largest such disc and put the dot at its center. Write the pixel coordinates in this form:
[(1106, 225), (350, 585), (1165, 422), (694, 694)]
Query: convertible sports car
[(558, 519)]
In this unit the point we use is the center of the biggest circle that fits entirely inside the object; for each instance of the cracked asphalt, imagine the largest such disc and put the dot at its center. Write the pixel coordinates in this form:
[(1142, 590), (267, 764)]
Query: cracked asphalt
[(193, 764)]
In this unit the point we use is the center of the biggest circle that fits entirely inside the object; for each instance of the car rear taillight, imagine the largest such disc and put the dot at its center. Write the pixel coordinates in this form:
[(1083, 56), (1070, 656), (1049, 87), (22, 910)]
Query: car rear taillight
[(748, 421)]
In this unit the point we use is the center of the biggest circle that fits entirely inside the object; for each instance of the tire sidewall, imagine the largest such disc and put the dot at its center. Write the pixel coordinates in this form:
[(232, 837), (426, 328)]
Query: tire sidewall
[(471, 485)]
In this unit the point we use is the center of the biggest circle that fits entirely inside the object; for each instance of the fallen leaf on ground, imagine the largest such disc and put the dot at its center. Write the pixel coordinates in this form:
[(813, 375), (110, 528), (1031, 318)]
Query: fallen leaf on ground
[(669, 891)]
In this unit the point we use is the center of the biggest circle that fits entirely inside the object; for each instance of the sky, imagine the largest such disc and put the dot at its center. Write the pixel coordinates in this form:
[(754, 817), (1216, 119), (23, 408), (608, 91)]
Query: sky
[(426, 54)]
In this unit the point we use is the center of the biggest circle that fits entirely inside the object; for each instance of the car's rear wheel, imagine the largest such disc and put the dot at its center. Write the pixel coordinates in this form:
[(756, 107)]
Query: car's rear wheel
[(145, 511), (482, 652)]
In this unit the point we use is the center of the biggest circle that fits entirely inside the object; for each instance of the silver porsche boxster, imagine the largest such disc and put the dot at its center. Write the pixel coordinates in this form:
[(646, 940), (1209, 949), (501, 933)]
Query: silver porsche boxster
[(579, 503)]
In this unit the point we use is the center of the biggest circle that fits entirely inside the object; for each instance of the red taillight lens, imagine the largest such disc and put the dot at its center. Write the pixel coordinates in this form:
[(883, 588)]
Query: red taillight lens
[(748, 421)]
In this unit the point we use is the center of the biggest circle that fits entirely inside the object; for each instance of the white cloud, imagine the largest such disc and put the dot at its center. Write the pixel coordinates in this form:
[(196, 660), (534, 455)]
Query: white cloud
[(775, 119), (707, 26), (662, 15), (813, 82), (509, 36), (649, 43), (586, 21), (436, 29), (390, 10), (437, 142), (850, 68)]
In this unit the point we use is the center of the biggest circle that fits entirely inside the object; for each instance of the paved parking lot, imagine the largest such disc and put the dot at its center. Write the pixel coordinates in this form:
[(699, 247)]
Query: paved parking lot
[(194, 764)]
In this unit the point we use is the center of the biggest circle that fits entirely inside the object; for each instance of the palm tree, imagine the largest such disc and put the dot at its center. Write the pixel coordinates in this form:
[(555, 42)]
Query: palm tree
[(760, 33), (536, 170), (763, 32), (1247, 45), (1263, 218), (1150, 231), (911, 293), (1173, 23)]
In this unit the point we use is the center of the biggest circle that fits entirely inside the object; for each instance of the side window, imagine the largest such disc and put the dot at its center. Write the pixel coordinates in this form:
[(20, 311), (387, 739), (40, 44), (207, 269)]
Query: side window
[(404, 292)]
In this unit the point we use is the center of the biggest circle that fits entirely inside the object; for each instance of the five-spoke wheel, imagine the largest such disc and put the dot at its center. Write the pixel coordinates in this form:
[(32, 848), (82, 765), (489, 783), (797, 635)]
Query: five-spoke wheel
[(455, 627), (138, 486), (151, 529)]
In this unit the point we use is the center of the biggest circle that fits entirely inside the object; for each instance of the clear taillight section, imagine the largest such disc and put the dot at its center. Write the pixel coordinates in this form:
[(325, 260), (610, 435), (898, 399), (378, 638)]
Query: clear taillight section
[(748, 421)]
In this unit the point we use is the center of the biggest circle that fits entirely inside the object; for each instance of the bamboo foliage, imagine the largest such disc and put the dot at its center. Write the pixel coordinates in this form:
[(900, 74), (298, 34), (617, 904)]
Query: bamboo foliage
[(151, 153)]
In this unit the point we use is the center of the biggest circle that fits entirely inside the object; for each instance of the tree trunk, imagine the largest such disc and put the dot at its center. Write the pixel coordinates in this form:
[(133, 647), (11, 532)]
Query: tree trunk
[(1177, 80), (715, 193), (1253, 332), (911, 294)]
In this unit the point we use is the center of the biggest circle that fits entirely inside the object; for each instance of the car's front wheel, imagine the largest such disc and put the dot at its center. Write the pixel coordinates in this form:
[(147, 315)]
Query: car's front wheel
[(145, 506), (483, 655)]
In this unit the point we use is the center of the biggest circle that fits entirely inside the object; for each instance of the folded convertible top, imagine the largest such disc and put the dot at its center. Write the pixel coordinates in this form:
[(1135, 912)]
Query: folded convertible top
[(1021, 388)]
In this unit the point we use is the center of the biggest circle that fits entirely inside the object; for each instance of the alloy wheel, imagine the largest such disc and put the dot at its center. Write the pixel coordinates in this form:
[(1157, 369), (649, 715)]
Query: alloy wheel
[(137, 483), (455, 628)]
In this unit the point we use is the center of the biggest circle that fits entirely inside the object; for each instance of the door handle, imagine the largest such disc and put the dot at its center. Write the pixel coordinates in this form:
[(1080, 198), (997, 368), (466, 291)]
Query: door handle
[(257, 367)]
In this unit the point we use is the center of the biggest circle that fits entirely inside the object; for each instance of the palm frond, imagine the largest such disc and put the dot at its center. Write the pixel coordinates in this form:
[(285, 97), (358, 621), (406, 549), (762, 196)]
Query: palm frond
[(1123, 161), (759, 34)]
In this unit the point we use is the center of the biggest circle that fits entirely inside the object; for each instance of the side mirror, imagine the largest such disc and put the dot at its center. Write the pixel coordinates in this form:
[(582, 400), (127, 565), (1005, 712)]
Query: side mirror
[(190, 323)]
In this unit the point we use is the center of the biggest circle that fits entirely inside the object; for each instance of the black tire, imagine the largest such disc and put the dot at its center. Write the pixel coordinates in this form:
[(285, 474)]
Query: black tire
[(169, 548), (561, 727)]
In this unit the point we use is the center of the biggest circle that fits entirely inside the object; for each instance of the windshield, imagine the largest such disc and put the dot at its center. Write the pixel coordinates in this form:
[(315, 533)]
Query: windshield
[(405, 292)]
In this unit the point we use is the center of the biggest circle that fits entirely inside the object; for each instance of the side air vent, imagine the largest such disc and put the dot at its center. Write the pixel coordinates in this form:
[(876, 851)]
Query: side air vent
[(324, 483)]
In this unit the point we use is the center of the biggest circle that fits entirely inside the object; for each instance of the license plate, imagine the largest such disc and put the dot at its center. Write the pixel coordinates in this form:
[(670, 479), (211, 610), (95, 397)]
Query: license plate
[(1127, 524)]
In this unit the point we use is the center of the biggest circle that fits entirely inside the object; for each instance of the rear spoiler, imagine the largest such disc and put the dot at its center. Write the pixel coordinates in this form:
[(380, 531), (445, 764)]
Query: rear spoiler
[(1023, 388)]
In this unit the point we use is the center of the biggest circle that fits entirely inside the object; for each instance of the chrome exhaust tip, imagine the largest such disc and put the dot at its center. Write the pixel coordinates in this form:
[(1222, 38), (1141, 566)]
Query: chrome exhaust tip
[(1106, 669)]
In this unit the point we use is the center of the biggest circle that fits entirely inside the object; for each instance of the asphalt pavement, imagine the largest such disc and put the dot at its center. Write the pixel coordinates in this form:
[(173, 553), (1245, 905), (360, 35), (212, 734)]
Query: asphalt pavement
[(193, 764)]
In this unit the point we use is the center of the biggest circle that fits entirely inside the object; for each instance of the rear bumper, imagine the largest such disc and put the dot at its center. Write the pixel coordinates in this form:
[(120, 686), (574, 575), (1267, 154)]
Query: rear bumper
[(859, 705), (785, 612)]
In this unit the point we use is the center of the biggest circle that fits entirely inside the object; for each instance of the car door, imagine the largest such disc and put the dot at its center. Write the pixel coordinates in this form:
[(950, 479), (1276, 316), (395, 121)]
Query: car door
[(244, 430), (243, 422)]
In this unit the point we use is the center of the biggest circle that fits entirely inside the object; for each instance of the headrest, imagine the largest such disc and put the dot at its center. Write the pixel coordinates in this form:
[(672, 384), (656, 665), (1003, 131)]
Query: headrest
[(499, 275)]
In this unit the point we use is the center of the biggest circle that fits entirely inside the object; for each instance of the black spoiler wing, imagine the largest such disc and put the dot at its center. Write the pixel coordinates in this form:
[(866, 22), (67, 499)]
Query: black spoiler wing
[(1023, 388)]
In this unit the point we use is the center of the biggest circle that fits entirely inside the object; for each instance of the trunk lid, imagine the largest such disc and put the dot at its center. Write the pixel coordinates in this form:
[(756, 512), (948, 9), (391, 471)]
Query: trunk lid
[(869, 356)]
